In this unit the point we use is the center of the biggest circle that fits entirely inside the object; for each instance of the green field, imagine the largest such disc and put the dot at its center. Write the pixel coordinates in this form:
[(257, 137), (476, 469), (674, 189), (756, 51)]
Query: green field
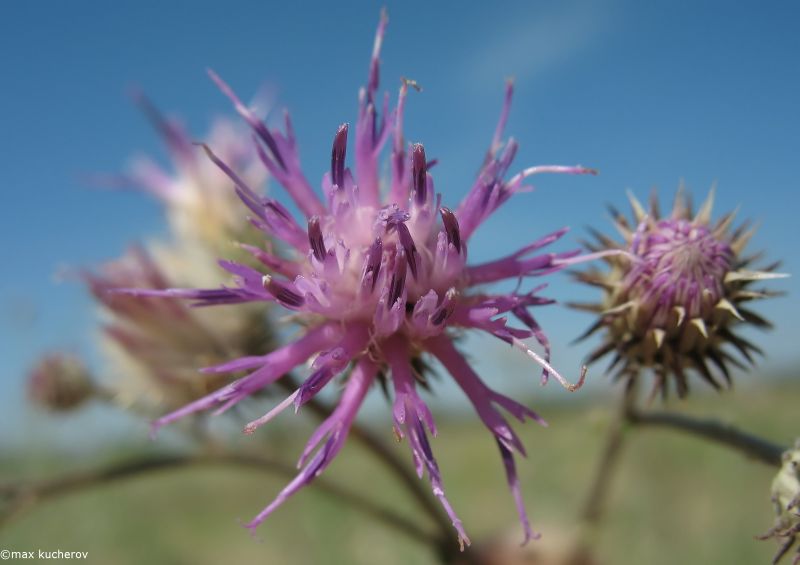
[(676, 499)]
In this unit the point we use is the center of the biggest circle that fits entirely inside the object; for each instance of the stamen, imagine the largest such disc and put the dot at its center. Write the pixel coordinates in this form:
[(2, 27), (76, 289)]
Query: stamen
[(419, 172), (408, 245), (398, 278), (445, 309), (451, 228), (338, 155), (374, 64), (530, 171), (374, 258), (257, 125), (257, 423), (277, 208), (315, 238), (313, 385), (171, 132), (282, 293), (519, 344)]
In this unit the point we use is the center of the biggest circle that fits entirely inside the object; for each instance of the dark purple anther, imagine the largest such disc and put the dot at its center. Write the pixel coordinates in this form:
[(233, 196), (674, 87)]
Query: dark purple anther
[(277, 208), (445, 309), (419, 172), (258, 126), (374, 261), (313, 384), (337, 156), (408, 245), (315, 238), (282, 293), (451, 228), (398, 278)]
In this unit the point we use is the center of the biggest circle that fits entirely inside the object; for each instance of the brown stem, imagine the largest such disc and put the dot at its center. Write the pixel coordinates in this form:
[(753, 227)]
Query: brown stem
[(600, 487), (604, 471), (22, 496), (725, 434), (598, 492)]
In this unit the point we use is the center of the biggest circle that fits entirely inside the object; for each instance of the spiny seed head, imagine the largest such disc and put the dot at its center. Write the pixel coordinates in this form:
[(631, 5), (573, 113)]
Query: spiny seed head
[(59, 383), (674, 297)]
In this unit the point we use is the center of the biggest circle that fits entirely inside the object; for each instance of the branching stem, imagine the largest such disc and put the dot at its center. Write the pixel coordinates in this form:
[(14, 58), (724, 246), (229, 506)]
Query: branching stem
[(753, 446), (21, 496)]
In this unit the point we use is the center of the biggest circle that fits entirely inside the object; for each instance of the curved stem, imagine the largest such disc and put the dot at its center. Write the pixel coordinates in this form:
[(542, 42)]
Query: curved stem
[(23, 496), (719, 432), (599, 490), (724, 434)]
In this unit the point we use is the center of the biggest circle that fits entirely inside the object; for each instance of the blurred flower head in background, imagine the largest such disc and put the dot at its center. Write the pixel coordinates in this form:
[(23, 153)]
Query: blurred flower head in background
[(203, 213), (673, 300), (379, 284), (152, 348), (59, 382)]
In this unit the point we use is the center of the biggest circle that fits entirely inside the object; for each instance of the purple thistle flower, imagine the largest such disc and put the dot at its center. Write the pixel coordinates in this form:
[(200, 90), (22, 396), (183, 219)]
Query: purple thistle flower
[(380, 283), (673, 298)]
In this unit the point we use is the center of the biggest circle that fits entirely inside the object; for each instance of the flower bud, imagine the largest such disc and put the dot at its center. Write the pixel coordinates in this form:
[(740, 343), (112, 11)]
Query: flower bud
[(59, 382), (674, 297), (786, 498)]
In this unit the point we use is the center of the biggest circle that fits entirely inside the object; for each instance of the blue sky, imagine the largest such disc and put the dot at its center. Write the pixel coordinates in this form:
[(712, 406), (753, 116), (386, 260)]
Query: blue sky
[(649, 94)]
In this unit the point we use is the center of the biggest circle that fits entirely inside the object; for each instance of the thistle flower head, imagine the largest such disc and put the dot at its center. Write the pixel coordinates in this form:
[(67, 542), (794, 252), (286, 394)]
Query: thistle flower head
[(59, 382), (786, 499), (203, 214), (153, 346), (379, 281), (673, 299)]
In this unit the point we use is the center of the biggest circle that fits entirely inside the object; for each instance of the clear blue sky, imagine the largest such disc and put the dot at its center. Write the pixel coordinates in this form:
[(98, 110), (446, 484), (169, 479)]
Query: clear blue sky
[(702, 91)]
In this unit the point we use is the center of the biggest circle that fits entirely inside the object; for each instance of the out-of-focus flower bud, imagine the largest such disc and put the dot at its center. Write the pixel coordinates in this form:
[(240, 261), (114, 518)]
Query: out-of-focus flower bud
[(674, 300), (59, 382), (786, 498)]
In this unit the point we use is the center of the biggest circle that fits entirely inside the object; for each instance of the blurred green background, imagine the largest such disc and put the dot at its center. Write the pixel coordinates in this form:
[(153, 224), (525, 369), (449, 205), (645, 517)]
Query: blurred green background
[(648, 93), (676, 499)]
